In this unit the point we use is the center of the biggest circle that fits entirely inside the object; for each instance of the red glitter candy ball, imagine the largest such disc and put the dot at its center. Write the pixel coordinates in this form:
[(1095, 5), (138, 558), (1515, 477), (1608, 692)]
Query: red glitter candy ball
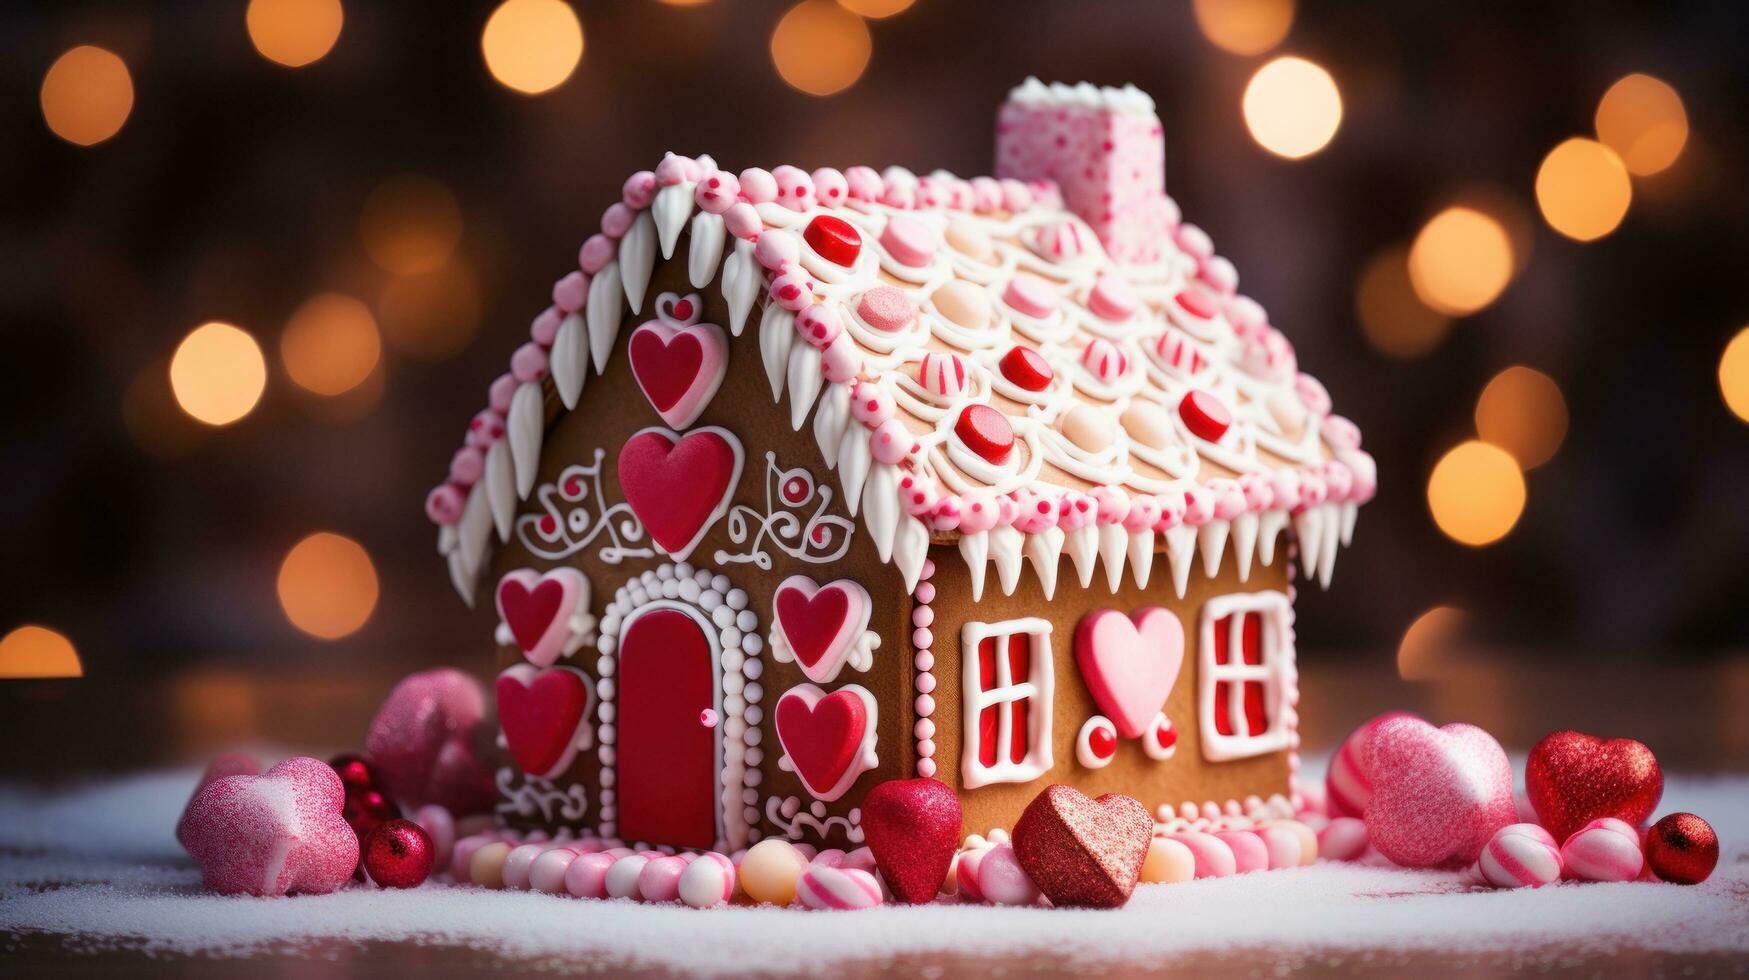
[(986, 432), (367, 810), (399, 854), (1682, 848), (834, 238), (355, 772)]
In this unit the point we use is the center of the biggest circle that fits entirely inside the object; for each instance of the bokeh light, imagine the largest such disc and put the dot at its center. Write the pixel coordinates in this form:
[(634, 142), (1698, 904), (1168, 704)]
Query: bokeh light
[(1246, 27), (1292, 107), (820, 48), (532, 46), (1583, 189), (1642, 119), (87, 95), (294, 33), (1734, 374), (685, 3), (432, 316), (410, 224), (218, 373), (38, 652), (1522, 411), (876, 9), (1460, 261), (153, 420), (1429, 644), (1392, 318), (1476, 493), (328, 586), (330, 344)]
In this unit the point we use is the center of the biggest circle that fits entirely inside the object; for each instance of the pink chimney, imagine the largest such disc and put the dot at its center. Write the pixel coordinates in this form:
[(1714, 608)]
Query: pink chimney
[(1105, 150)]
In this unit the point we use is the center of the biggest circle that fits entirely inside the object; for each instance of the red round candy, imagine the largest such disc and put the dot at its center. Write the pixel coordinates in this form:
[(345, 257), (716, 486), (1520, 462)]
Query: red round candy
[(1204, 415), (1682, 848), (1027, 368), (367, 810), (834, 238), (399, 854), (1165, 736), (986, 432), (1103, 741), (355, 772)]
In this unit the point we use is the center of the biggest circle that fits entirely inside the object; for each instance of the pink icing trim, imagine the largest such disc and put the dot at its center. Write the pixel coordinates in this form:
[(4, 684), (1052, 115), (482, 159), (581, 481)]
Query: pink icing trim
[(778, 251), (830, 187), (864, 184), (1075, 510), (596, 252), (671, 171), (979, 512), (545, 327), (529, 363), (617, 220), (502, 391), (923, 640), (1171, 511), (819, 325), (466, 466), (1199, 506), (639, 190), (891, 442), (1229, 499), (443, 505), (871, 404), (795, 189), (717, 192), (1113, 504), (758, 186), (794, 289), (568, 296), (841, 361), (743, 222)]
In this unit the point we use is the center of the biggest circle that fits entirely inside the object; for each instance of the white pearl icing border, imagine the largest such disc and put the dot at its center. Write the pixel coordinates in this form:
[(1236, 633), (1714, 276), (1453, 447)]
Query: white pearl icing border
[(738, 644), (923, 641)]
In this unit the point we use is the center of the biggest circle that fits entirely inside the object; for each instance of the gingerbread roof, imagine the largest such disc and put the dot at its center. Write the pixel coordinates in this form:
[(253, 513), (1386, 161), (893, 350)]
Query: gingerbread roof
[(1026, 366)]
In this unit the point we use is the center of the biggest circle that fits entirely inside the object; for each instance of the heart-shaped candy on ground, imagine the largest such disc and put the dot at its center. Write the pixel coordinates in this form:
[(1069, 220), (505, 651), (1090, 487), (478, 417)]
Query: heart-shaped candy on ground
[(542, 714), (226, 764), (828, 739), (1439, 794), (1130, 663), (1348, 786), (913, 828), (538, 607), (679, 486), (1573, 778), (425, 742), (819, 624), (273, 834), (679, 368), (1083, 852)]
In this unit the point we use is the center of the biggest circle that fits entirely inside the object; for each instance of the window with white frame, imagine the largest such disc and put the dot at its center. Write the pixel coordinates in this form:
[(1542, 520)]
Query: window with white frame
[(1006, 689), (1245, 675)]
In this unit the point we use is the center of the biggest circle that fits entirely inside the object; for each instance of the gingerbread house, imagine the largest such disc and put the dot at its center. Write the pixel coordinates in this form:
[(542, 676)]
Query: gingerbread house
[(807, 481)]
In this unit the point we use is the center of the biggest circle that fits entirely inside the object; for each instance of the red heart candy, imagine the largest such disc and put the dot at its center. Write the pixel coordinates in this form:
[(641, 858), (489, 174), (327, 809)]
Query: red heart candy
[(540, 712), (1082, 852), (665, 366), (913, 828), (812, 623), (1573, 778), (822, 735), (678, 486), (528, 612)]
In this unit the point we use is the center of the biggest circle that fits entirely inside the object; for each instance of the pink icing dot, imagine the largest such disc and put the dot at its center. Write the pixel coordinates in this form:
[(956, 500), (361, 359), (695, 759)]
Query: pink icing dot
[(863, 184), (1112, 299), (1229, 500), (545, 327), (795, 189), (909, 240), (925, 706), (870, 404), (777, 251), (793, 290), (1313, 394), (1171, 511), (617, 220), (758, 186), (671, 171), (924, 659), (443, 505), (1015, 195), (1030, 295), (639, 190), (978, 512), (924, 728), (1220, 275), (743, 221), (1195, 241), (569, 293), (830, 187), (1143, 514), (498, 396), (986, 194), (926, 746), (485, 428), (717, 192), (925, 682), (595, 253), (466, 466), (819, 325), (890, 442), (1199, 506), (529, 363), (1075, 511), (925, 592), (1246, 315), (841, 361), (1112, 504), (886, 309)]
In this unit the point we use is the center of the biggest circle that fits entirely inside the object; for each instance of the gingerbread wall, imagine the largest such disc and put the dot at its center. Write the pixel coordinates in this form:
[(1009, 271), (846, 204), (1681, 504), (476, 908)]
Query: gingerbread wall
[(611, 409), (1186, 776)]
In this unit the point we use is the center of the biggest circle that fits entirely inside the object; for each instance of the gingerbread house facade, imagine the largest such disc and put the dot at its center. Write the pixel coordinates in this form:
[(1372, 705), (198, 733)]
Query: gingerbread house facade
[(807, 481)]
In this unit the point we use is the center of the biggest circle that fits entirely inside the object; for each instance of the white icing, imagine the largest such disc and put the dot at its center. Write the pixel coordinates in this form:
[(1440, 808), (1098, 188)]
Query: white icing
[(578, 518), (705, 250), (1084, 753), (603, 313), (777, 333), (1275, 673), (795, 521), (530, 796), (1180, 551), (857, 642), (880, 508), (854, 457), (1082, 543), (805, 378), (1005, 547), (637, 259), (792, 821), (1037, 689), (1114, 548), (1245, 542), (975, 549), (524, 430), (1045, 550), (569, 359), (831, 421), (670, 209), (910, 551), (499, 479), (742, 282)]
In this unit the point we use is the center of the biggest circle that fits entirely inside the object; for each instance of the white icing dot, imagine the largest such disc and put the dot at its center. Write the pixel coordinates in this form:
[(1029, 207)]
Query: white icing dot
[(723, 616), (754, 755), (670, 590), (731, 638), (732, 660), (749, 797), (606, 643), (606, 712), (608, 735), (732, 704), (710, 601), (666, 571), (608, 812), (746, 621), (754, 693), (753, 644), (734, 728), (604, 666), (607, 778), (719, 582), (753, 668), (751, 777), (605, 754), (683, 568), (755, 734), (737, 597), (640, 597), (689, 591), (733, 684), (604, 688)]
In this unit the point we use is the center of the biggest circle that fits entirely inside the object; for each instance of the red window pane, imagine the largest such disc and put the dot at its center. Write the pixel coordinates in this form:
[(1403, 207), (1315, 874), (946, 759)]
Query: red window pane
[(1223, 629), (987, 663), (987, 720), (1223, 705), (1018, 711), (1256, 720), (1252, 640), (1019, 658)]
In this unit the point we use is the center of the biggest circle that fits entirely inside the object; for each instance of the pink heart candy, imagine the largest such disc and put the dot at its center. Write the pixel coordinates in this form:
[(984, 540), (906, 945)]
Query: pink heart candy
[(424, 742), (273, 834), (1130, 663), (1439, 794)]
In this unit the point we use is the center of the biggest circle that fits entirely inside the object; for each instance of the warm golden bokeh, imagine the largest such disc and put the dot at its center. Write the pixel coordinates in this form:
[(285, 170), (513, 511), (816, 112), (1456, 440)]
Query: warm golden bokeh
[(1292, 107), (87, 95), (38, 652), (1476, 493), (1734, 375), (432, 316), (218, 373), (1392, 318), (1583, 189), (876, 9), (1428, 646), (1460, 261), (1508, 210), (328, 586), (330, 344), (820, 48), (532, 46), (294, 33), (1642, 119), (1522, 411), (410, 224), (153, 420), (1246, 27)]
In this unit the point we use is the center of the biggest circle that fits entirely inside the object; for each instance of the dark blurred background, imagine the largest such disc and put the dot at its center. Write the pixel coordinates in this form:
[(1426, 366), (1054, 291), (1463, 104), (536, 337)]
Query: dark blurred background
[(385, 218)]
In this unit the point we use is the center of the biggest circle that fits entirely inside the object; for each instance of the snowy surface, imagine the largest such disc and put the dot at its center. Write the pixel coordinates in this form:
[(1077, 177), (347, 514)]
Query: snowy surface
[(97, 866)]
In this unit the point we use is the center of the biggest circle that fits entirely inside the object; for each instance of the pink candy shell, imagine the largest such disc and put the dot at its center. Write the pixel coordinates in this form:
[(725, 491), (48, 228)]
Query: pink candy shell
[(1520, 855), (461, 858), (623, 876), (586, 877), (659, 881), (1347, 786), (437, 822), (1343, 840), (707, 882), (1001, 880), (1606, 849), (1250, 853), (547, 873), (823, 888), (1214, 859), (831, 857), (861, 858), (517, 864), (1283, 846)]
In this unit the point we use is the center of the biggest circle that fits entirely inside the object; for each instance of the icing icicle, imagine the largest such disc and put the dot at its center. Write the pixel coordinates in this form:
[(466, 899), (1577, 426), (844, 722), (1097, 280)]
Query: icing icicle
[(854, 459), (975, 549), (499, 479), (1083, 546), (525, 427), (742, 283), (1332, 532), (1006, 543), (831, 422), (603, 314), (1181, 551), (1350, 511), (704, 254), (1211, 538), (1045, 550), (777, 333), (1308, 526), (637, 259), (1269, 526), (474, 529), (1113, 550), (1245, 542), (461, 578), (805, 379), (910, 551), (880, 508), (570, 359), (670, 210), (1141, 556)]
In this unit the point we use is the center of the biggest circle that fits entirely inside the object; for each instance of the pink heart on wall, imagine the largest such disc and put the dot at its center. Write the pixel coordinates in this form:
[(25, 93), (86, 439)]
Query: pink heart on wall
[(538, 609), (679, 368), (820, 623), (1130, 663), (827, 738), (679, 486)]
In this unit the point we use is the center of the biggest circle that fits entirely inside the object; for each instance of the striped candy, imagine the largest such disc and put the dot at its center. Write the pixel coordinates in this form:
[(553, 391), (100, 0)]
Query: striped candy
[(1178, 353), (825, 888), (1249, 851), (943, 374), (1606, 849), (1104, 360), (1214, 859), (708, 881), (997, 877), (1520, 855), (1348, 786)]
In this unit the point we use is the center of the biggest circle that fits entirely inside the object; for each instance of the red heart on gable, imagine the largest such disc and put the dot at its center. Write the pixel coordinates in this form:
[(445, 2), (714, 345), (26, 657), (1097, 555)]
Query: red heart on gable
[(540, 712), (665, 366), (678, 487), (810, 624), (529, 612), (822, 734)]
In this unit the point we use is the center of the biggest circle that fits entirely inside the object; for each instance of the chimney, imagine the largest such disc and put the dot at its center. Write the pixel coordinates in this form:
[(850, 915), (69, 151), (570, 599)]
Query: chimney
[(1105, 150)]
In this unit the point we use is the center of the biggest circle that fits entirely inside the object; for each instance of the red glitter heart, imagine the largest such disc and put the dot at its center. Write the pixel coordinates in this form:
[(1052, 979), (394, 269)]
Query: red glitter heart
[(913, 828), (1573, 778), (1082, 852)]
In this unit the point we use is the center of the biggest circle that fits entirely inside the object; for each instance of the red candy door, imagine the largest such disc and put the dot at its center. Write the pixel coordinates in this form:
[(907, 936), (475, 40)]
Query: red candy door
[(667, 780)]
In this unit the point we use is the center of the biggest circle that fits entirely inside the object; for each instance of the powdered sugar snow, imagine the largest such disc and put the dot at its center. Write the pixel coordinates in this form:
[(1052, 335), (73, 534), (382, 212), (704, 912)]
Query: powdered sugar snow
[(98, 867)]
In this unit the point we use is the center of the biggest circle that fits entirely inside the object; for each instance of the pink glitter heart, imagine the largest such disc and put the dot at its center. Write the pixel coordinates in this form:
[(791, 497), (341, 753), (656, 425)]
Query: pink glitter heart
[(273, 834), (1439, 794), (425, 742)]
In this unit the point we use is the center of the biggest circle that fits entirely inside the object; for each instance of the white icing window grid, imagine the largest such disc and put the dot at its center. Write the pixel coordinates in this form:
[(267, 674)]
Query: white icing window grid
[(1275, 647), (1038, 689)]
